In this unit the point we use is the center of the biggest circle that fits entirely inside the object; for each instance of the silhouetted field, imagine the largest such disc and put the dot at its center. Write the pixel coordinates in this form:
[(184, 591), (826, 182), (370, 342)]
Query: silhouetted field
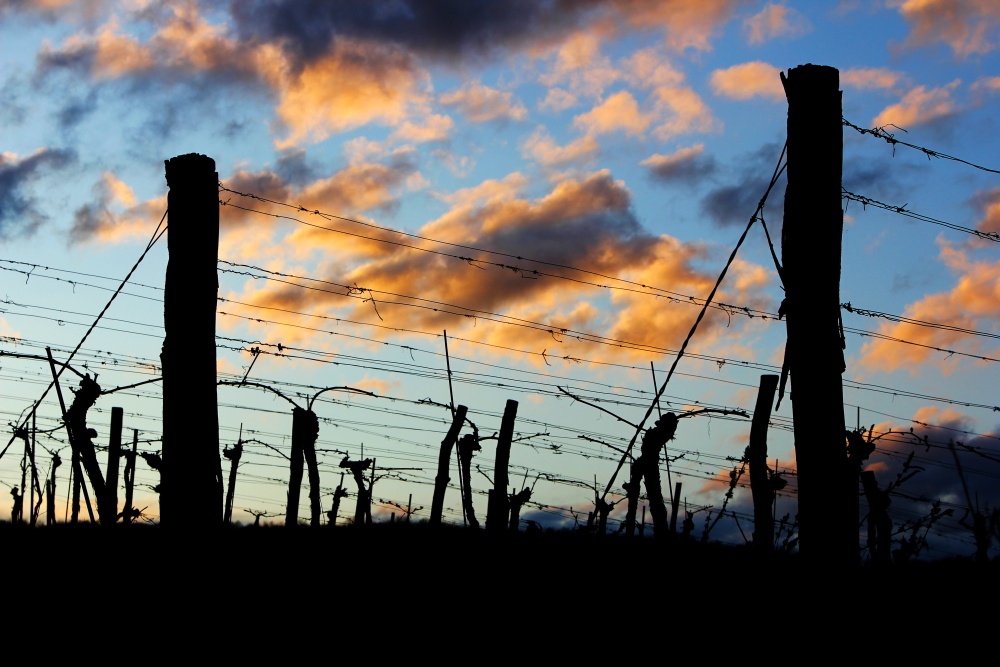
[(416, 562)]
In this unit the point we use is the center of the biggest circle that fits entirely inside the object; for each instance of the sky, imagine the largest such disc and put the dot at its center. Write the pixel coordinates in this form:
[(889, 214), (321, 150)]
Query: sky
[(538, 196)]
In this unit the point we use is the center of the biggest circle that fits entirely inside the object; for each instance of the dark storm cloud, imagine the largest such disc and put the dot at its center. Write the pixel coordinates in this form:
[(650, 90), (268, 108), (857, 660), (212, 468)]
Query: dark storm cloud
[(294, 168), (442, 29), (76, 109), (19, 211), (688, 170), (13, 104), (731, 205)]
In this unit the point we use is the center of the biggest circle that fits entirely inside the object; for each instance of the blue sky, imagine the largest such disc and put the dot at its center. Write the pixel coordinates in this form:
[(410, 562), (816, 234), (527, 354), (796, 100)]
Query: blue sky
[(622, 144)]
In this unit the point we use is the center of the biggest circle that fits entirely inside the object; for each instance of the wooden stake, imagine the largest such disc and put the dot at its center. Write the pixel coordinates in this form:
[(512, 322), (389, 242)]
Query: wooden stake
[(811, 258), (191, 485), (444, 460)]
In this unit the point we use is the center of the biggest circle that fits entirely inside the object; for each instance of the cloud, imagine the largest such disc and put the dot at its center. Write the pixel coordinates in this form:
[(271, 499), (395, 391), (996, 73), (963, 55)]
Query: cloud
[(455, 31), (919, 106), (557, 99), (481, 103), (870, 78), (543, 149), (351, 84), (356, 84), (585, 221), (435, 127), (684, 164), (619, 112), (988, 204), (775, 21), (114, 216), (971, 301), (686, 25), (749, 80), (580, 66), (969, 27), (733, 204), (20, 214)]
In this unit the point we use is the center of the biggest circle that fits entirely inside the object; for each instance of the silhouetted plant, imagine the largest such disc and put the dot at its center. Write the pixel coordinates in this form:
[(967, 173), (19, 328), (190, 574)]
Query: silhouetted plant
[(911, 546)]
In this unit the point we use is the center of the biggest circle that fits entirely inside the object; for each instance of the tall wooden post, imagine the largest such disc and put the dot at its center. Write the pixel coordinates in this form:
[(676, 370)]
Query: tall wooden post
[(191, 478), (234, 456), (497, 510), (295, 463), (127, 512), (444, 461), (305, 430), (811, 254), (760, 484), (114, 454)]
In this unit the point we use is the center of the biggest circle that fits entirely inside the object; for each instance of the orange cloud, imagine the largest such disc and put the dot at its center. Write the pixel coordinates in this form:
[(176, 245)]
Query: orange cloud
[(969, 27), (678, 157), (435, 127), (620, 112), (749, 80), (355, 84), (543, 149), (580, 66), (973, 299), (481, 103), (684, 112), (686, 24), (558, 100), (870, 78), (775, 21), (919, 106), (989, 203), (113, 216)]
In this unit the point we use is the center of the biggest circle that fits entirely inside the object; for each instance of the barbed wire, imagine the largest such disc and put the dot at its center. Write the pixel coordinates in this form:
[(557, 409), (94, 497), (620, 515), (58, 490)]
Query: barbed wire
[(902, 210), (889, 137), (658, 292), (920, 323)]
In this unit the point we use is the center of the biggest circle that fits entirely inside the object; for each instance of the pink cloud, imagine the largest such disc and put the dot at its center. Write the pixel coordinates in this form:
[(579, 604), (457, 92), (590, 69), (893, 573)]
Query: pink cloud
[(749, 80)]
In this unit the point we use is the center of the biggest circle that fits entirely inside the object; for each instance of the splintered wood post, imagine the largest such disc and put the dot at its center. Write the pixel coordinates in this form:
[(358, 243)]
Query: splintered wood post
[(191, 478), (879, 523), (654, 441), (295, 464), (675, 506), (130, 477), (760, 484), (233, 454), (114, 454), (814, 355), (444, 461), (632, 497), (50, 491), (305, 429), (467, 447), (497, 510)]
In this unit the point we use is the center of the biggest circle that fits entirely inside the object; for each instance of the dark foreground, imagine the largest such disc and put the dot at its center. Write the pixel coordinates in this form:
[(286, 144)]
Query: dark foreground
[(418, 552)]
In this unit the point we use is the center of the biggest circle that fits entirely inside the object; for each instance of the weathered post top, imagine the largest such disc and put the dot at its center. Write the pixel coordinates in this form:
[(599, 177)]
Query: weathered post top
[(188, 166)]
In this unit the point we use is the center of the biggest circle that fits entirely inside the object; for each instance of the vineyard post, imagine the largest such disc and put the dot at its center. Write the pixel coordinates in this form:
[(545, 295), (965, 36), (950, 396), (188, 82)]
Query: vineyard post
[(295, 463), (814, 355), (760, 486), (130, 477), (191, 478), (675, 505), (496, 508), (234, 456), (444, 460), (114, 453)]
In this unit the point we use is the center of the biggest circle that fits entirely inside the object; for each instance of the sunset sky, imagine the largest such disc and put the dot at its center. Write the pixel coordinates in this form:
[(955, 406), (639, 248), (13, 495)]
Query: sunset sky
[(557, 184)]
